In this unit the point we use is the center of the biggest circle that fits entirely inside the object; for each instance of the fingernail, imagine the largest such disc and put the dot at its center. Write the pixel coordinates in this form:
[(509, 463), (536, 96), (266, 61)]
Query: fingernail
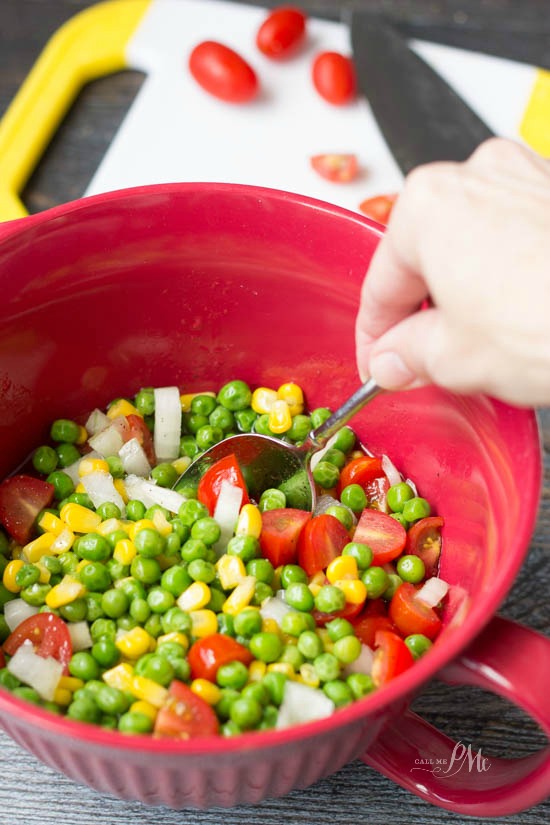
[(389, 370)]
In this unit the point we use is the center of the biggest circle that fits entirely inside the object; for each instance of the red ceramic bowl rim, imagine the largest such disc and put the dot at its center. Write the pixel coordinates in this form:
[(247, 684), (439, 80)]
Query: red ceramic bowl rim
[(405, 684)]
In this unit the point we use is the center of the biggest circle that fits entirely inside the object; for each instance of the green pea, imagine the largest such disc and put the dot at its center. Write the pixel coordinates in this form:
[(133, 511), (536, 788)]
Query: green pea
[(232, 675), (176, 620), (261, 425), (175, 579), (247, 623), (295, 623), (376, 581), (111, 700), (171, 650), (83, 666), (418, 644), (269, 720), (207, 436), (235, 395), (95, 576), (222, 419), (330, 599), (105, 652), (256, 691), (67, 454), (135, 510), (65, 430), (81, 498), (272, 499), (416, 508), (92, 547), (398, 495), (159, 669), (145, 401), (262, 592), (194, 549), (84, 709), (35, 594), (344, 440), (343, 515), (266, 646), (292, 656), (319, 416), (339, 692), (393, 583), (261, 569), (245, 419), (93, 606), (62, 484), (411, 569), (360, 684), (139, 610), (160, 600), (362, 554), (275, 684), (354, 497), (335, 456), (149, 543), (223, 705), (116, 468), (401, 519), (193, 422), (191, 511), (230, 728), (326, 475), (165, 474), (108, 510), (300, 428), (245, 547), (132, 587), (135, 722), (206, 530), (115, 603), (27, 575), (117, 570), (299, 596), (103, 629), (246, 713), (226, 624), (44, 460), (292, 573), (8, 680), (347, 649), (153, 625), (188, 446), (179, 529), (327, 667), (309, 644), (338, 629), (116, 536)]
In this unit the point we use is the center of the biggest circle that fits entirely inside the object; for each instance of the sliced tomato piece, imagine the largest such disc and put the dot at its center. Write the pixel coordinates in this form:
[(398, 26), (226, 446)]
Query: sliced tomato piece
[(2, 659), (383, 534), (411, 615), (137, 428), (338, 168), (49, 636), (391, 657), (322, 540), (424, 540), (226, 469), (377, 493), (378, 208), (22, 497), (206, 655), (185, 715), (367, 626), (281, 530), (360, 471), (349, 612)]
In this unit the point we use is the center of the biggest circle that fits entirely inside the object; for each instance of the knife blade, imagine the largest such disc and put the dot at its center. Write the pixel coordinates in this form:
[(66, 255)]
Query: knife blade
[(420, 116)]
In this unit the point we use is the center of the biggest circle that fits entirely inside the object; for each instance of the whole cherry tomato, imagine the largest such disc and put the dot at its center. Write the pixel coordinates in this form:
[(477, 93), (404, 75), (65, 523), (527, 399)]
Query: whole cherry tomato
[(333, 76), (281, 32), (222, 72)]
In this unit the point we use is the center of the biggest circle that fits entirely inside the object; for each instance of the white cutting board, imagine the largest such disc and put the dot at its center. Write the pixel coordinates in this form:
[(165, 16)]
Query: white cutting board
[(175, 131)]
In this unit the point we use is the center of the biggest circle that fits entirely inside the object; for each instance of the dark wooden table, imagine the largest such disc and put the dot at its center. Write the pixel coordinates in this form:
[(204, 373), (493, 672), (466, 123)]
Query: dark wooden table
[(31, 793)]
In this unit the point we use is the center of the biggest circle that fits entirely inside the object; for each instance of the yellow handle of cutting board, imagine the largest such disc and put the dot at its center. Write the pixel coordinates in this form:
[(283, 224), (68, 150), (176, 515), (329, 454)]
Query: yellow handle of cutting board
[(91, 44), (535, 126)]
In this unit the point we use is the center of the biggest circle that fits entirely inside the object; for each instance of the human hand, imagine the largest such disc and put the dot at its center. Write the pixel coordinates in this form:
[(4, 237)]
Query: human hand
[(474, 238)]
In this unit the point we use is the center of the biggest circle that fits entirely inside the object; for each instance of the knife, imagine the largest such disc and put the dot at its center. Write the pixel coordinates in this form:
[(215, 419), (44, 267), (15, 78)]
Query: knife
[(420, 116)]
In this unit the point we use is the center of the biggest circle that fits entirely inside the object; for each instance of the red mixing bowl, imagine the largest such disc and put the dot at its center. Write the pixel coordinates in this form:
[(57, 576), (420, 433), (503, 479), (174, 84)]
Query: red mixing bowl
[(195, 284)]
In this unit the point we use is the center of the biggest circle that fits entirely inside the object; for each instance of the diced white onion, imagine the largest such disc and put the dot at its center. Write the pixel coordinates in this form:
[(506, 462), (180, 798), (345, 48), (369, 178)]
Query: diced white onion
[(432, 591), (100, 487), (323, 503), (149, 493), (167, 423), (363, 663), (72, 469), (16, 611), (317, 457), (226, 512), (302, 703), (42, 674), (275, 608), (392, 473), (97, 421), (80, 635), (133, 458), (107, 441), (412, 485)]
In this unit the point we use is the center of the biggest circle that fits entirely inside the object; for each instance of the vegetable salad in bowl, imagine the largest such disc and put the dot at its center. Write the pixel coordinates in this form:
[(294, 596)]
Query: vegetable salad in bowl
[(135, 601)]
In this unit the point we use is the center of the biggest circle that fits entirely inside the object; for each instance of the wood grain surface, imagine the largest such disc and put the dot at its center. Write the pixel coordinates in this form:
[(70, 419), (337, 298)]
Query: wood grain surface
[(32, 794)]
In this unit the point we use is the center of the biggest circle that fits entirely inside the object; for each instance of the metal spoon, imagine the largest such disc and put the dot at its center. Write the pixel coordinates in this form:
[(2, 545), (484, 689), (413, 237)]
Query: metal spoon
[(267, 462)]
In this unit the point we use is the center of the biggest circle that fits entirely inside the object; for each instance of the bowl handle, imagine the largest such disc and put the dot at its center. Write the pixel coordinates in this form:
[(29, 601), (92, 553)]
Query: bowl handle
[(512, 661), (89, 45)]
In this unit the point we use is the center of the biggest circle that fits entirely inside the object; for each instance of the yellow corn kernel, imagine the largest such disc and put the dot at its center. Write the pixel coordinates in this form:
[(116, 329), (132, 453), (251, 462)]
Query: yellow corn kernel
[(276, 581), (175, 636), (231, 571), (342, 567), (109, 526), (119, 486), (354, 590), (203, 623), (62, 696), (262, 400), (316, 582), (51, 523), (309, 675), (34, 550), (249, 522), (206, 690), (314, 588), (148, 690), (70, 683), (125, 551), (294, 397), (270, 626), (141, 706), (162, 525), (80, 488), (79, 519), (142, 524), (280, 419), (10, 572), (256, 670), (187, 397), (181, 464), (121, 677), (197, 595), (282, 667), (122, 407), (45, 574), (135, 643), (65, 592), (322, 632), (63, 542), (241, 596), (92, 465)]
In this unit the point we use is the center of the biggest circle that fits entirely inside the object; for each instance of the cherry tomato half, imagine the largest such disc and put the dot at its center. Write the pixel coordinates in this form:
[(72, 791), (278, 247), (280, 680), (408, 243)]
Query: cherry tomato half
[(411, 615), (281, 32), (349, 612), (333, 76), (424, 540), (383, 534), (391, 657), (378, 208), (366, 627), (222, 72), (336, 168), (206, 655), (226, 469), (22, 497), (281, 530), (360, 471), (322, 540), (137, 428), (185, 715), (49, 635)]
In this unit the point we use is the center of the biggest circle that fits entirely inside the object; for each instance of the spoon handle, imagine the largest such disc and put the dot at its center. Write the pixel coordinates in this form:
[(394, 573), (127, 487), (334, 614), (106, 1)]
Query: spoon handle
[(319, 437)]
